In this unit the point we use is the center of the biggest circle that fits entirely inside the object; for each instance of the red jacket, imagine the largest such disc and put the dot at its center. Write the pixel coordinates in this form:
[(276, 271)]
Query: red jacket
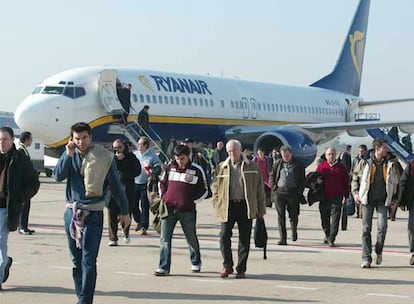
[(180, 188), (335, 178)]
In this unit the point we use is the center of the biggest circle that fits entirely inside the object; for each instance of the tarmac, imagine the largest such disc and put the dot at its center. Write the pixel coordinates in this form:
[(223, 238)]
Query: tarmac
[(305, 271)]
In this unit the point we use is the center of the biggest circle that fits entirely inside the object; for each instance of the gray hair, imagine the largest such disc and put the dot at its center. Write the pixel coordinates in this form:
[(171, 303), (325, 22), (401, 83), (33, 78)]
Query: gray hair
[(285, 148), (234, 142)]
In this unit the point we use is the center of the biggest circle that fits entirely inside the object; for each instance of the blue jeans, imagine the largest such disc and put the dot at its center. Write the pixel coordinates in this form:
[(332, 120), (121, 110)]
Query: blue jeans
[(188, 223), (84, 259), (141, 216), (367, 214), (4, 234)]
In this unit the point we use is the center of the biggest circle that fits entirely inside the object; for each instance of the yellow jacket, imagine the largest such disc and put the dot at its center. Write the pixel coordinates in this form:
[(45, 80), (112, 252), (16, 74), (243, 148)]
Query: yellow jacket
[(253, 189)]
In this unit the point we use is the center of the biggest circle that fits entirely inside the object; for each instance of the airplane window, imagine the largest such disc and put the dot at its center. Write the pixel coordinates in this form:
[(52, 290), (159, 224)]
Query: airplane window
[(305, 109), (237, 104), (62, 82), (183, 101), (301, 109), (189, 101), (201, 102), (141, 98), (241, 105), (277, 107), (195, 101), (211, 102), (171, 100), (53, 90), (222, 103), (166, 100), (288, 108), (79, 92), (160, 99), (148, 98), (273, 107), (69, 92), (177, 100), (37, 90), (259, 107), (135, 97), (206, 102), (154, 99)]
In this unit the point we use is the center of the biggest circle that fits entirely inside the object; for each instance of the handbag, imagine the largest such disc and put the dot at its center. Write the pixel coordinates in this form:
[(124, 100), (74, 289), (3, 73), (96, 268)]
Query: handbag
[(260, 235)]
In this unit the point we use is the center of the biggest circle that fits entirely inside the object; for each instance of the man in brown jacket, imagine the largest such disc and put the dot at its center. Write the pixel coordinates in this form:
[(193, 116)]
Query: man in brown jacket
[(238, 196)]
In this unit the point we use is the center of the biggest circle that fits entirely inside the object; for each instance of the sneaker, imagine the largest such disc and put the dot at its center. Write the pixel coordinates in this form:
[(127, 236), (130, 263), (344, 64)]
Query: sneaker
[(7, 269), (378, 260), (142, 231), (113, 243), (366, 264), (127, 239), (161, 272), (26, 231), (412, 259), (196, 268)]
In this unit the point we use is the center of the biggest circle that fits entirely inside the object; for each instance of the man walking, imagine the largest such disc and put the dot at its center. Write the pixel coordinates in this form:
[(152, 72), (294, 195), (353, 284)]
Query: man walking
[(375, 186), (25, 142), (287, 181), (238, 196), (336, 193), (90, 171), (182, 185), (18, 183), (150, 168)]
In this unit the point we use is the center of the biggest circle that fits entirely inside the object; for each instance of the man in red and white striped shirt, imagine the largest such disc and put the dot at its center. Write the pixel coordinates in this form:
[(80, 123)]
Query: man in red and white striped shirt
[(182, 185)]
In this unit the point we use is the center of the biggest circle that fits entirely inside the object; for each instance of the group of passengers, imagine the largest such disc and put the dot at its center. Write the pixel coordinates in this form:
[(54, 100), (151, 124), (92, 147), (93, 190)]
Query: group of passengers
[(238, 187)]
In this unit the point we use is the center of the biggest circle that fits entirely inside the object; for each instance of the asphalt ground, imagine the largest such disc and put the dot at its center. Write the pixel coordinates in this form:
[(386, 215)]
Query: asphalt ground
[(306, 271)]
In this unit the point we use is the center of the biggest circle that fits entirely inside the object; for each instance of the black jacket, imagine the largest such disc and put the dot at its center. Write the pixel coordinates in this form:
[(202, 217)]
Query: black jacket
[(407, 184), (21, 184), (299, 172)]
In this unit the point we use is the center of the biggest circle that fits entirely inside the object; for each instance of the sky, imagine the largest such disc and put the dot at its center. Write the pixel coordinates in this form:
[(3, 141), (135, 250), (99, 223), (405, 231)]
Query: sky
[(292, 42)]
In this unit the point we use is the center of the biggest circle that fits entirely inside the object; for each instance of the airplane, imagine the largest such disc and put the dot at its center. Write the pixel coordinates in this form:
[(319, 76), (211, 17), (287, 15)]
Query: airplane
[(210, 109)]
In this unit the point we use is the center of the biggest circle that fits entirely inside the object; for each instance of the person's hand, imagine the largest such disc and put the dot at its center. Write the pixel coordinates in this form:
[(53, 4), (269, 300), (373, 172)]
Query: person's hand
[(125, 220), (357, 198), (345, 201), (70, 148)]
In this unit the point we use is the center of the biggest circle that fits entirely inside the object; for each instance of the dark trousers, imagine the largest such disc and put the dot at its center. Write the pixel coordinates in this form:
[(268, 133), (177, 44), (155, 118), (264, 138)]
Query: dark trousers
[(141, 216), (289, 201), (330, 211), (237, 213), (24, 217), (113, 212)]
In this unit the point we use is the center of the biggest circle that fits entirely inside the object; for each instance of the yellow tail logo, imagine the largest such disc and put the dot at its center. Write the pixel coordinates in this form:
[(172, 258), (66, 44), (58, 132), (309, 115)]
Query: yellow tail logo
[(357, 50)]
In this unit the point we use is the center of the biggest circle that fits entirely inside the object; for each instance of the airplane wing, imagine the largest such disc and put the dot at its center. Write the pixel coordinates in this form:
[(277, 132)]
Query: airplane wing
[(405, 126), (394, 102)]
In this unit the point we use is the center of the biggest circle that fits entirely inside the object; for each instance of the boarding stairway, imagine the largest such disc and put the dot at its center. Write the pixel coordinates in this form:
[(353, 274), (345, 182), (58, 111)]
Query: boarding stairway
[(395, 146), (133, 132)]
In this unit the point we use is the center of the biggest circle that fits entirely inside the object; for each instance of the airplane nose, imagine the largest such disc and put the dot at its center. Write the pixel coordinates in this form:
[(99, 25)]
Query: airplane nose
[(32, 115)]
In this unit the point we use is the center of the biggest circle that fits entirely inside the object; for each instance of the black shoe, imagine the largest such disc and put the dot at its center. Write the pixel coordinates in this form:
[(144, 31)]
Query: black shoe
[(282, 242), (26, 231), (7, 269)]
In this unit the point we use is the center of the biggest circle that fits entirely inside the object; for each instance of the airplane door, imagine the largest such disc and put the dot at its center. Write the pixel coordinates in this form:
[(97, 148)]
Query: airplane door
[(245, 105), (107, 92), (253, 108)]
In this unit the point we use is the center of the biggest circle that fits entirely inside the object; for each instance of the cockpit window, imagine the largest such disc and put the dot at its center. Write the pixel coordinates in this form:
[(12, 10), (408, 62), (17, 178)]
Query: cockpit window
[(37, 90), (53, 90), (79, 92), (74, 92)]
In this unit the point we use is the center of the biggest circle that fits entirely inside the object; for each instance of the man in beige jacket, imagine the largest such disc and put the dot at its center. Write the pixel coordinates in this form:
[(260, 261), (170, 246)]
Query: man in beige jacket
[(238, 196)]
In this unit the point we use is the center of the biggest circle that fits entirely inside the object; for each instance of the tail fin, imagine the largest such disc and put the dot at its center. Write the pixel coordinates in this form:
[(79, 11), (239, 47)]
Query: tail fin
[(346, 77)]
